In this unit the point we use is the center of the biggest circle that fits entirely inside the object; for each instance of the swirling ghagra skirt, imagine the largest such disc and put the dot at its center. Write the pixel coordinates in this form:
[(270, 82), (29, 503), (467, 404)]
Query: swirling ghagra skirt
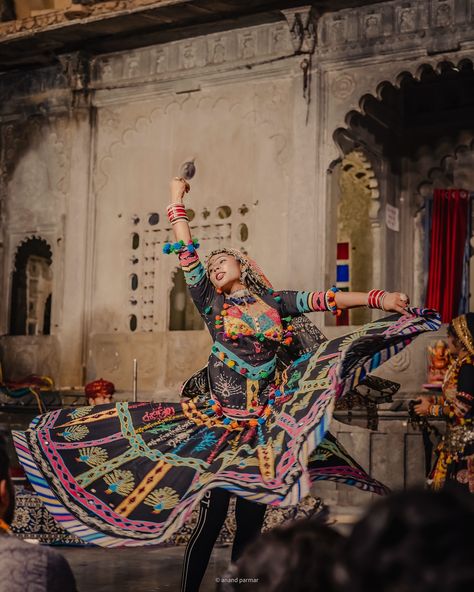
[(131, 473)]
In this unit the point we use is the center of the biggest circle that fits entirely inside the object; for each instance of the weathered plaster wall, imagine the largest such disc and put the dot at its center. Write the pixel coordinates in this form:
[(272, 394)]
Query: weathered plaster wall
[(80, 168)]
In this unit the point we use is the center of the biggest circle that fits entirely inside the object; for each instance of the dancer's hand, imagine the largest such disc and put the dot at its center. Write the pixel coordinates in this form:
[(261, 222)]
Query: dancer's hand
[(423, 406), (396, 302), (179, 187)]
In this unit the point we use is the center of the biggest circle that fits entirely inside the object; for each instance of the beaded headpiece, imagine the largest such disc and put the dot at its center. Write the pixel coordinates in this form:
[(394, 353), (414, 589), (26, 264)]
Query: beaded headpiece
[(252, 275), (464, 328)]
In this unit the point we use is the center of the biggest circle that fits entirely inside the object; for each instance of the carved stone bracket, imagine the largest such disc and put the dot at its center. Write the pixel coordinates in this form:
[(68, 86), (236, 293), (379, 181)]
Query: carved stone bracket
[(75, 67), (302, 22)]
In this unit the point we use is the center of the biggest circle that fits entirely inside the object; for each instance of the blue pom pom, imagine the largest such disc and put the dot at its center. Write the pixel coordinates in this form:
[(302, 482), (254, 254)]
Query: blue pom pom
[(262, 420), (227, 421), (191, 248), (177, 246), (271, 402), (278, 393), (211, 401), (167, 248)]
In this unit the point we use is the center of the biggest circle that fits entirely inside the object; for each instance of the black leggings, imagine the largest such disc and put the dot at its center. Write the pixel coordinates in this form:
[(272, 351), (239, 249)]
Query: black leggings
[(249, 517)]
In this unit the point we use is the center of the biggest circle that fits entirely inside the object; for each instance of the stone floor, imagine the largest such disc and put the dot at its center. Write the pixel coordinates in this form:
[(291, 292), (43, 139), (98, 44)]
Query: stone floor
[(147, 569), (158, 569)]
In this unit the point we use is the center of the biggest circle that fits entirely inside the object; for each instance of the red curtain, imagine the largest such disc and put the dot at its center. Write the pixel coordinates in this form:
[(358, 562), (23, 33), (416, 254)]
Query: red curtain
[(449, 227)]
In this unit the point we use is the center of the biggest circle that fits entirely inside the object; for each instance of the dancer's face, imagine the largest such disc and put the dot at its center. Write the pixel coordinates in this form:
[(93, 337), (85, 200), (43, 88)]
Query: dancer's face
[(224, 271), (454, 345)]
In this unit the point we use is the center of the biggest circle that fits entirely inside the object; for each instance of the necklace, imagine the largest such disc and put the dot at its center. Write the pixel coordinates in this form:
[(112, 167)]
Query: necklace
[(240, 297)]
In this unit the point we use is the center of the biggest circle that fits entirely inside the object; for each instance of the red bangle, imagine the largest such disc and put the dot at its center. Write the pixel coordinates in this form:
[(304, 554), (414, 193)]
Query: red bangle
[(375, 298), (176, 212)]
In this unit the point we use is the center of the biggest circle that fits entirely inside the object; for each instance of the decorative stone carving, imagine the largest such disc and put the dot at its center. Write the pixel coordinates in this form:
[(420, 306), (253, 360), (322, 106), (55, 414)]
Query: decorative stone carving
[(179, 57), (278, 36), (301, 22), (248, 45), (160, 61), (407, 19), (107, 72), (352, 31), (338, 31), (132, 66), (373, 25), (401, 361), (443, 16), (217, 51), (343, 86), (188, 56)]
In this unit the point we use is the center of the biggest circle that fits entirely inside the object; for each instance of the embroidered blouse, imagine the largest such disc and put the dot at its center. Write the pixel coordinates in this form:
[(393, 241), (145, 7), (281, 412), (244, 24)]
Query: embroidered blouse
[(247, 330)]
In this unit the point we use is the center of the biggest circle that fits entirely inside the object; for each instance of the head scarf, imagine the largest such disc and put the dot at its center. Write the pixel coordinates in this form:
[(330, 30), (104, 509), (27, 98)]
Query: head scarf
[(464, 328), (252, 275)]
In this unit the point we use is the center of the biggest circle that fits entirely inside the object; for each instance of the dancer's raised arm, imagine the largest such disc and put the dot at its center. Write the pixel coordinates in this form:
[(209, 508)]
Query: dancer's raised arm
[(177, 210), (201, 289)]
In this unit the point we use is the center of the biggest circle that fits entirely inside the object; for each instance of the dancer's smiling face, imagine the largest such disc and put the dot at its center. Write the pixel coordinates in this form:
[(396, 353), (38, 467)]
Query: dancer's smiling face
[(224, 272)]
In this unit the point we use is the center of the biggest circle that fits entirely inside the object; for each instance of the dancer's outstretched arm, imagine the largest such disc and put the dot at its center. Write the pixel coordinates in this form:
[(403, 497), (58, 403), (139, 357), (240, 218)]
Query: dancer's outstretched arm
[(179, 187), (389, 301), (334, 300)]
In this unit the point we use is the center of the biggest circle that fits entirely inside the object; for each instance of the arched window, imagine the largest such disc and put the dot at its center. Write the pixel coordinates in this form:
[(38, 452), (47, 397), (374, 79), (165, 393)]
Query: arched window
[(32, 283), (355, 240), (184, 315)]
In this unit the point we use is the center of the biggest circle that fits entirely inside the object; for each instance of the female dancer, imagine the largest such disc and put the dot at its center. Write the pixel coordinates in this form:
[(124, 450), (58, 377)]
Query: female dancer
[(251, 423), (455, 454)]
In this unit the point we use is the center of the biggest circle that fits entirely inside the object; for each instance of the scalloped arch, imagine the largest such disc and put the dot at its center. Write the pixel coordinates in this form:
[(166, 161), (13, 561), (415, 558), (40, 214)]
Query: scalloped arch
[(442, 171), (24, 247), (409, 75)]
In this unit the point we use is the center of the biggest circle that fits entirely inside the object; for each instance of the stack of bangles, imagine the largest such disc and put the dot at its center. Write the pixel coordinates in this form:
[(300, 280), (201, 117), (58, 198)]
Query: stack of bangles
[(437, 410), (330, 300), (176, 212), (376, 298)]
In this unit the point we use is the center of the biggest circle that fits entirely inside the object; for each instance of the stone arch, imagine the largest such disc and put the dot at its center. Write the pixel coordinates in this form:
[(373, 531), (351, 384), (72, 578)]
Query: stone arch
[(354, 207), (388, 90), (364, 89), (451, 166), (31, 291), (411, 120)]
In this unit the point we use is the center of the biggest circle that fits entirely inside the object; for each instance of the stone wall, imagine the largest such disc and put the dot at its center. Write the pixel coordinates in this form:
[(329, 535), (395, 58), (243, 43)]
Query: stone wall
[(89, 147)]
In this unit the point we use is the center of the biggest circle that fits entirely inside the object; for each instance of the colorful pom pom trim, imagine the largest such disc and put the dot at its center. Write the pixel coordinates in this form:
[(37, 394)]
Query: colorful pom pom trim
[(180, 246), (330, 299)]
